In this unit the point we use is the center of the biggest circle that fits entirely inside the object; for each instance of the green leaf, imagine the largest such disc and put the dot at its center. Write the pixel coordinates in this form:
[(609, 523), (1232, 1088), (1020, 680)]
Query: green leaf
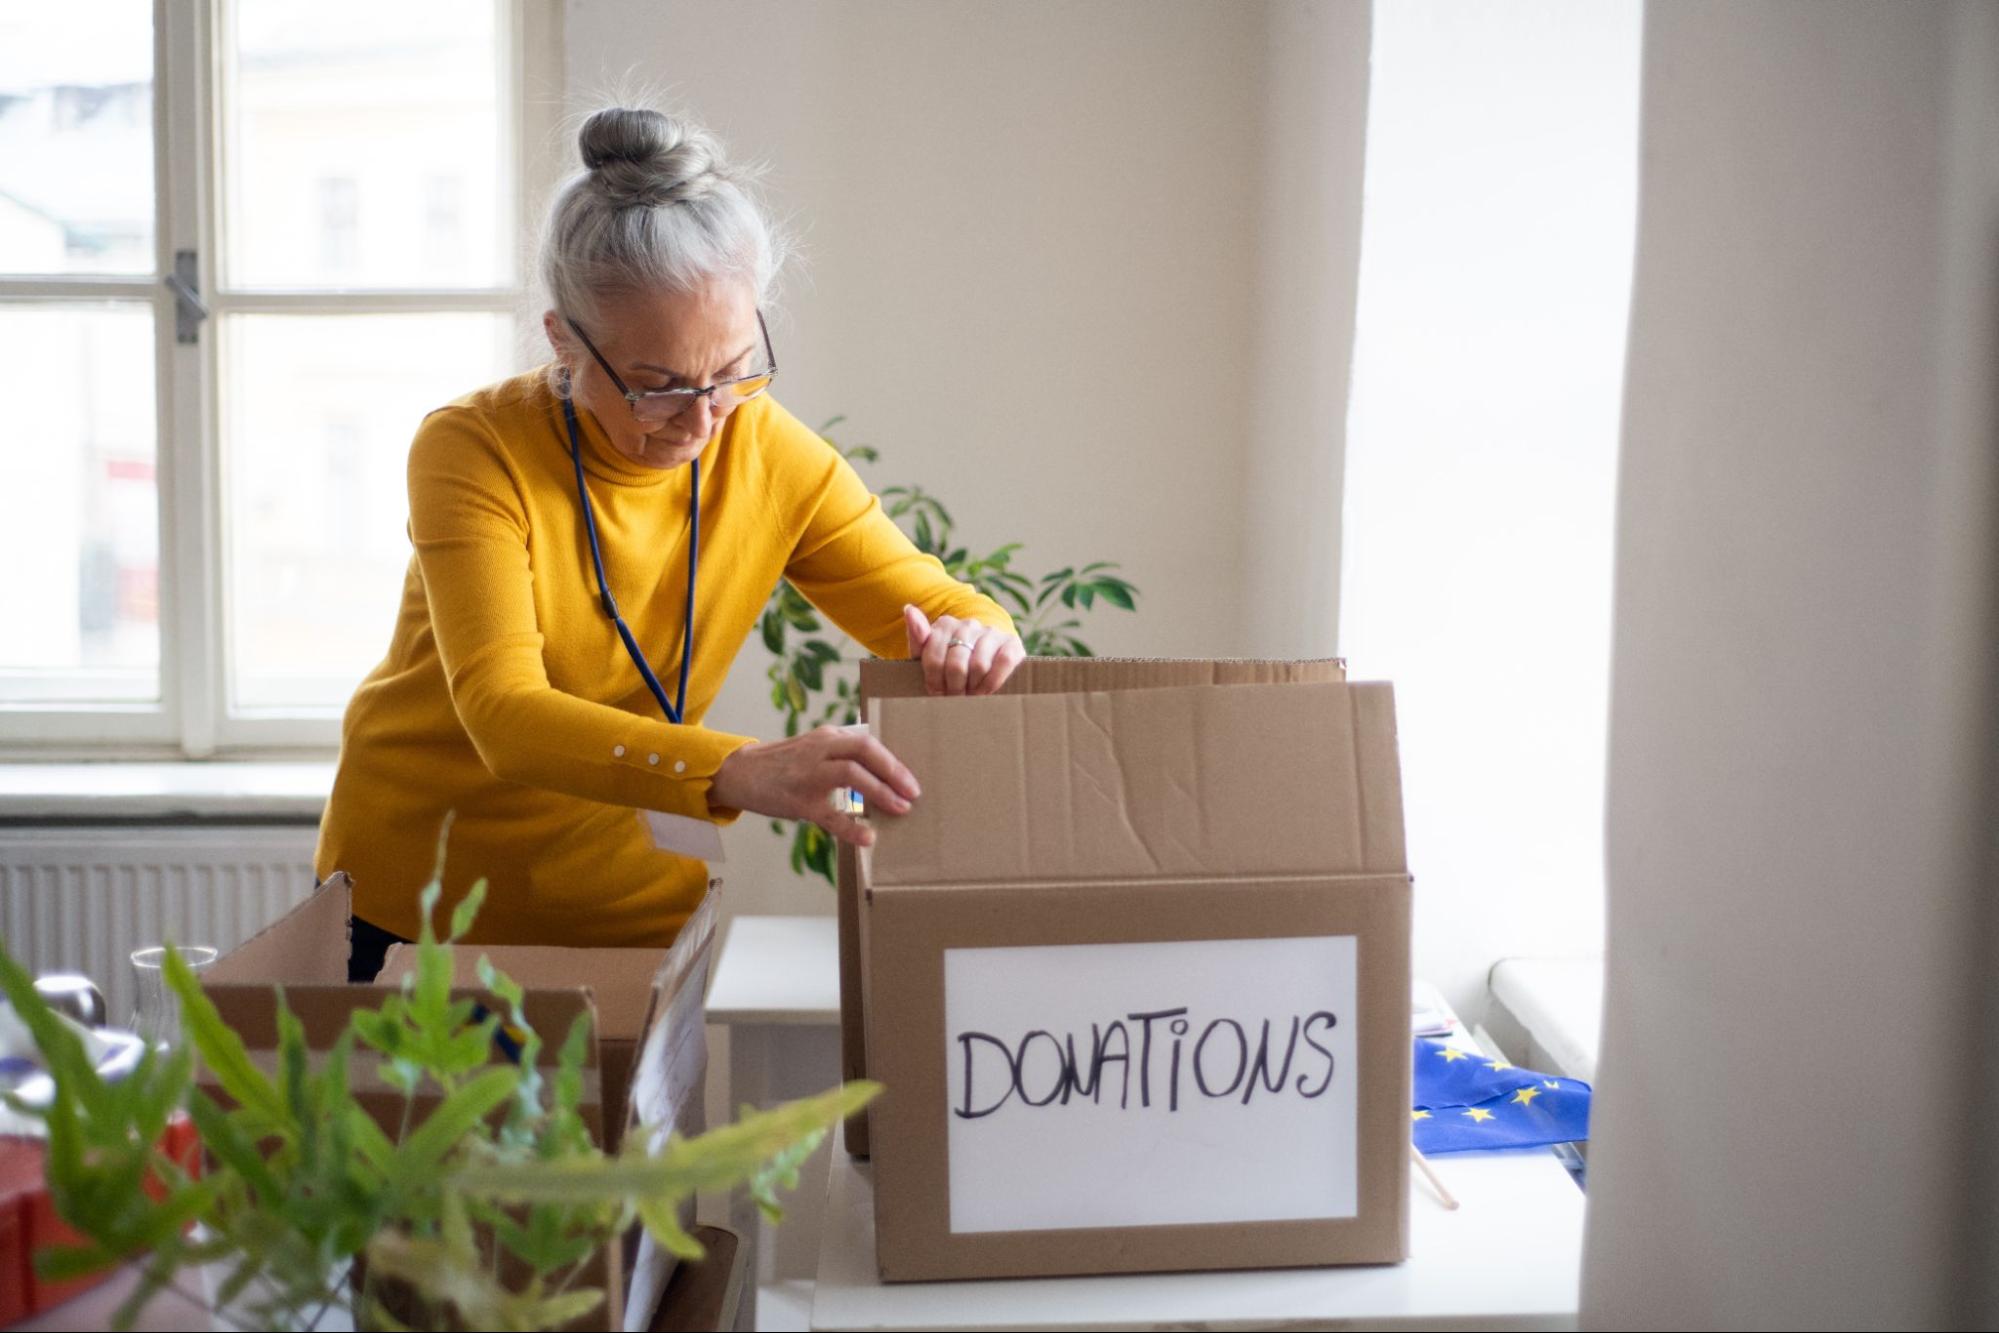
[(781, 1172), (662, 1219), (716, 1160), (773, 631), (74, 1261), (1116, 592), (249, 1267), (569, 1066), (231, 1147), (819, 856), (291, 1066), (467, 910), (454, 1118), (221, 1050), (556, 1311)]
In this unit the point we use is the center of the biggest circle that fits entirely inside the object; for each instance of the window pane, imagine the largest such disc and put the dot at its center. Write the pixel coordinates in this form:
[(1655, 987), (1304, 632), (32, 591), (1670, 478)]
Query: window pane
[(79, 506), (317, 424), (365, 146), (76, 137)]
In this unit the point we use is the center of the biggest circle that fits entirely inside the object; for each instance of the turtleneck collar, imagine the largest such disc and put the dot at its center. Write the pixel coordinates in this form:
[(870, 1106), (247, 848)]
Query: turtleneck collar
[(600, 459)]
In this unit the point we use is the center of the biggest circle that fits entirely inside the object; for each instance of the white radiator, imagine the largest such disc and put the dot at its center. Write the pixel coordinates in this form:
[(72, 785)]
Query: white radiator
[(82, 898)]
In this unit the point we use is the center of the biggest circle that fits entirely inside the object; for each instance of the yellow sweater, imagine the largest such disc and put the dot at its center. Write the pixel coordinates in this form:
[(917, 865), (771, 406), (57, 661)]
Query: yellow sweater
[(507, 697)]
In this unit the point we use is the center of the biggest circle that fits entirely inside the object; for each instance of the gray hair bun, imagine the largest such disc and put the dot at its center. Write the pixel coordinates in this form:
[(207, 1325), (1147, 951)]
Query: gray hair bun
[(656, 207), (638, 157)]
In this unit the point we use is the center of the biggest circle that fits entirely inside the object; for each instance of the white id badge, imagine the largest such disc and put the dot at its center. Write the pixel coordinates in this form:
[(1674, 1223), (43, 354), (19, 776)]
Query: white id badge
[(684, 835)]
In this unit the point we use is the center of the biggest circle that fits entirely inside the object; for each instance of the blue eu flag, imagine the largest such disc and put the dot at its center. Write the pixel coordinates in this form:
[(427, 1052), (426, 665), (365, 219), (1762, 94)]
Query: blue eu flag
[(1467, 1101)]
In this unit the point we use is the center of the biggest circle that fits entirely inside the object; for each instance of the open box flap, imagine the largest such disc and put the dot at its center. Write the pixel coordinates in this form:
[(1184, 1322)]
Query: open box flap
[(308, 943), (883, 679), (1142, 784)]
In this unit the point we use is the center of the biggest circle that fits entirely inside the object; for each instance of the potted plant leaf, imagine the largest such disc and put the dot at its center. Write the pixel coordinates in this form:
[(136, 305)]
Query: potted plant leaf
[(483, 1212)]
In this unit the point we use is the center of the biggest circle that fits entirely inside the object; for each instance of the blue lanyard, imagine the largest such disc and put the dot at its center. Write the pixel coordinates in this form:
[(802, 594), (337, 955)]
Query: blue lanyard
[(674, 712)]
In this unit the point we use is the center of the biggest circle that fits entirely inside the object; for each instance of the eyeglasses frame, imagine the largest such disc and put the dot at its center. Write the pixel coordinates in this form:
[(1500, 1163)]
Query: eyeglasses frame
[(687, 396)]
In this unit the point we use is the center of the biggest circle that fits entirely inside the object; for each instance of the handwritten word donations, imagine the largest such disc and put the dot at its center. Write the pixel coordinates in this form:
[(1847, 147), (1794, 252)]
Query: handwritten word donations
[(1045, 1070)]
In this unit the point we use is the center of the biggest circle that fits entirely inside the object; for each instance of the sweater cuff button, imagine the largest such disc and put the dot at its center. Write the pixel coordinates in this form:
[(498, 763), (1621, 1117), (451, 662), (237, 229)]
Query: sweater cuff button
[(617, 752)]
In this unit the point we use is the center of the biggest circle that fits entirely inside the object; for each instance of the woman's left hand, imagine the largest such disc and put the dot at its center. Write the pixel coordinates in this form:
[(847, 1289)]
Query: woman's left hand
[(961, 656)]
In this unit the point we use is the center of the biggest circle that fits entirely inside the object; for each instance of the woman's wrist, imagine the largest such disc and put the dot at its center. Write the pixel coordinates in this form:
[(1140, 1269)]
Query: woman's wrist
[(725, 796)]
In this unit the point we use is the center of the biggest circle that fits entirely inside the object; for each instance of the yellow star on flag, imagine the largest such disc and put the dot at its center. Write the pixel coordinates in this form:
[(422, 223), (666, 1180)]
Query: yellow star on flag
[(1526, 1096), (1497, 1065), (1452, 1053), (1419, 1115), (1479, 1115)]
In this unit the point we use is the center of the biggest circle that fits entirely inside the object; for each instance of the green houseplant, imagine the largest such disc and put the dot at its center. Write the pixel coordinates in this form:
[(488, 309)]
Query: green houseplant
[(303, 1183), (812, 671)]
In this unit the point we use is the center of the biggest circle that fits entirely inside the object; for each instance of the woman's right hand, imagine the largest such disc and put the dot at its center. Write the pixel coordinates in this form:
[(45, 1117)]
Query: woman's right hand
[(796, 779)]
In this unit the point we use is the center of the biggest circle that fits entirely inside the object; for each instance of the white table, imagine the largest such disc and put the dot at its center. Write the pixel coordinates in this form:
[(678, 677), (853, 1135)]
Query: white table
[(777, 991), (1509, 1257)]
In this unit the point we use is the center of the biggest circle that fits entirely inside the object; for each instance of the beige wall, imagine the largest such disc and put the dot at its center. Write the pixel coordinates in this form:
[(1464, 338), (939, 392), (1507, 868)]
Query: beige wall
[(1795, 1077), (1036, 263)]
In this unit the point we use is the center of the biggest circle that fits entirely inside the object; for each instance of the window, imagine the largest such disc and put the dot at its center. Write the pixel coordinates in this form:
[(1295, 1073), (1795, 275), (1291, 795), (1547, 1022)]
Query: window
[(1497, 228), (443, 222), (338, 233), (202, 523)]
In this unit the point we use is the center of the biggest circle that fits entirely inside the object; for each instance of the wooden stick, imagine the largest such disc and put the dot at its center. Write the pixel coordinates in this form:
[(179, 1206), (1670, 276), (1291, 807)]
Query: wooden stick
[(1423, 1165)]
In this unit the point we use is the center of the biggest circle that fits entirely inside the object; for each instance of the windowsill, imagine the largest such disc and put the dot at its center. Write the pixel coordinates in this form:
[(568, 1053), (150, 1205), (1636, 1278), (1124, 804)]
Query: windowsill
[(288, 791)]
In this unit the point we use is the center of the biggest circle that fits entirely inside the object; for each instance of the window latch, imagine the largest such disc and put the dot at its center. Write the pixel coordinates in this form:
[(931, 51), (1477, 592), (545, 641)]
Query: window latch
[(189, 310)]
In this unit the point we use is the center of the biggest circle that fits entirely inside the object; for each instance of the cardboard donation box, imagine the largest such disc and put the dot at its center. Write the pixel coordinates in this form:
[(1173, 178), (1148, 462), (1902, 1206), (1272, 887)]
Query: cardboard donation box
[(1136, 979), (882, 679), (645, 1062)]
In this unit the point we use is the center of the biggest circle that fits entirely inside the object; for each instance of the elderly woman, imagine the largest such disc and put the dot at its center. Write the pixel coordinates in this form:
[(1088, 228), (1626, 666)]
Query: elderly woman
[(594, 542)]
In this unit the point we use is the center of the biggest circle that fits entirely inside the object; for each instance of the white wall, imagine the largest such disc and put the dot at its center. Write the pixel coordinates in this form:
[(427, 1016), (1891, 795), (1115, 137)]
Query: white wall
[(1481, 455), (1032, 276), (1795, 1083)]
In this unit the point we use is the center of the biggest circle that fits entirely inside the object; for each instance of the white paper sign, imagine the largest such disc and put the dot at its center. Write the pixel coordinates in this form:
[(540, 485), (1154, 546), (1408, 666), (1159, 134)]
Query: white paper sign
[(1105, 1085)]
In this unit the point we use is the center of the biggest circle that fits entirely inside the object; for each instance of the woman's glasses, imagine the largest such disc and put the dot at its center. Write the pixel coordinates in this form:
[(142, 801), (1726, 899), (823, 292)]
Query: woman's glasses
[(724, 396)]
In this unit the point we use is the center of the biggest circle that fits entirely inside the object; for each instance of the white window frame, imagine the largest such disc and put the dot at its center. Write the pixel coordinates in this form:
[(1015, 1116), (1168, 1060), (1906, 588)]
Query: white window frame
[(193, 718)]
